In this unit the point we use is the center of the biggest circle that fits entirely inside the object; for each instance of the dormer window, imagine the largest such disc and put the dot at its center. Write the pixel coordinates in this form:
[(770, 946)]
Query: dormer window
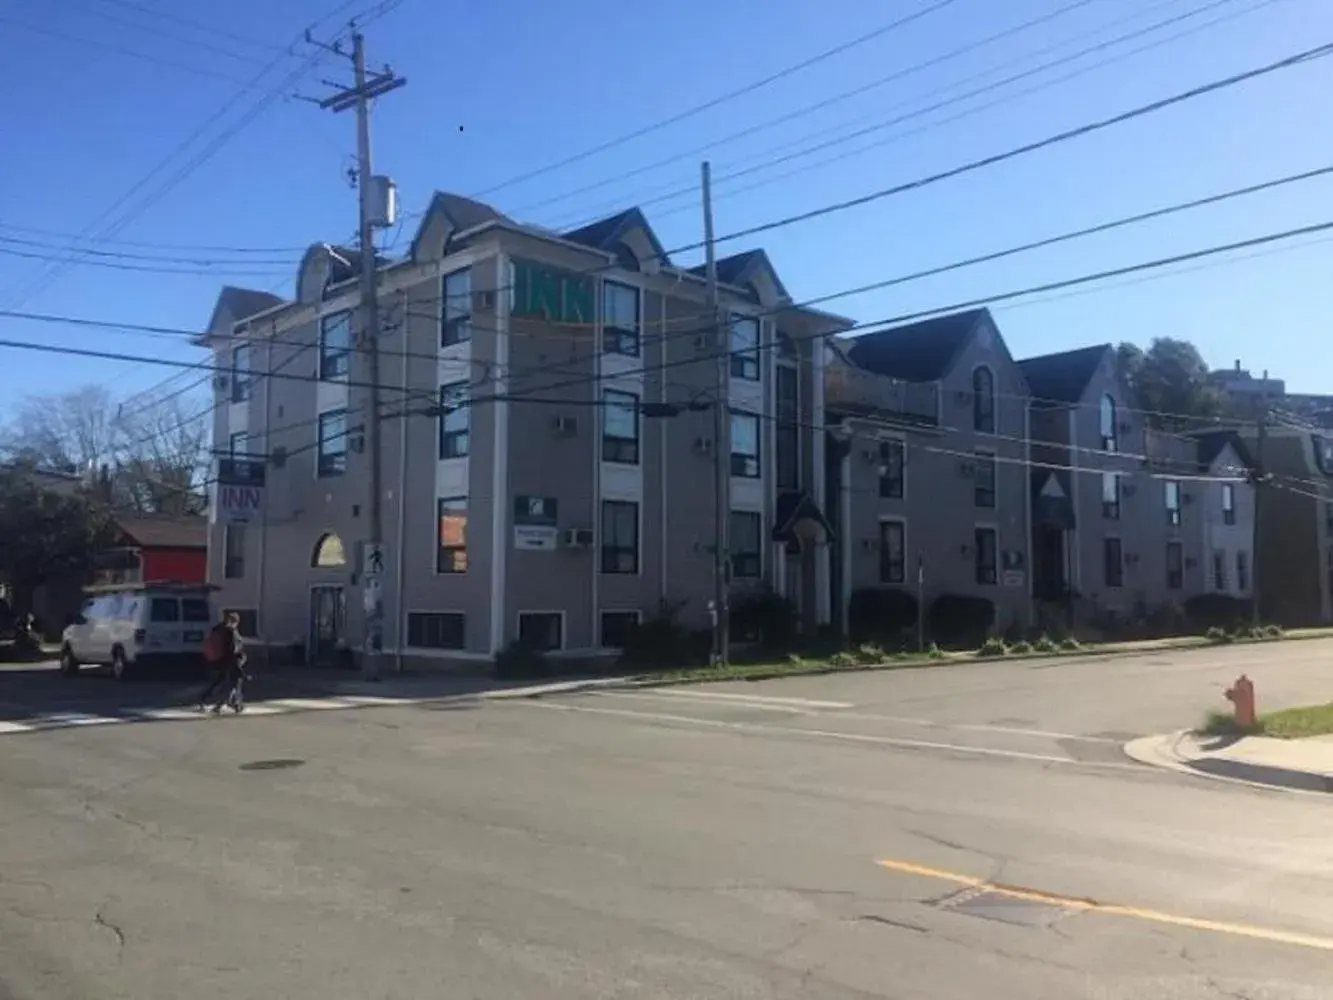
[(1108, 429), (983, 400)]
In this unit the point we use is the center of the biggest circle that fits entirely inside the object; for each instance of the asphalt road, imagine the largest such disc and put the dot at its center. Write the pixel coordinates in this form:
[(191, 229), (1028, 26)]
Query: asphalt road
[(954, 832)]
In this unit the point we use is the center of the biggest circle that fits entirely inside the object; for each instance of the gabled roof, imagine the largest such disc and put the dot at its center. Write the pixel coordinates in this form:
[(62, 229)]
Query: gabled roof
[(1212, 444), (164, 531), (242, 303), (460, 214), (917, 352), (739, 270), (605, 234), (1062, 377)]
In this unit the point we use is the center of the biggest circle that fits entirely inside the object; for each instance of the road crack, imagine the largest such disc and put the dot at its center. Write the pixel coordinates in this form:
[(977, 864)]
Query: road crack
[(99, 918)]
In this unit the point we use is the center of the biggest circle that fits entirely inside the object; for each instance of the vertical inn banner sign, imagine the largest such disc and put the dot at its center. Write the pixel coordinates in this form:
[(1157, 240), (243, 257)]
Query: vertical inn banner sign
[(240, 490)]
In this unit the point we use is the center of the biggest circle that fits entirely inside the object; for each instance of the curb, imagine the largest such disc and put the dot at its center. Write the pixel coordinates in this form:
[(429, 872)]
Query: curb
[(1164, 752)]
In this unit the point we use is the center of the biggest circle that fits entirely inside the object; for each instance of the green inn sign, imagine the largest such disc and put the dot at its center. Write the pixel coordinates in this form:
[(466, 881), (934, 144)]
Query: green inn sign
[(549, 294)]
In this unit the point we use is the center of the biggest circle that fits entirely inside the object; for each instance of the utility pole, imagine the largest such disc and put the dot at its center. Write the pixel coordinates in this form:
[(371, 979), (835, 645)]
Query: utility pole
[(721, 440), (370, 214), (1260, 484)]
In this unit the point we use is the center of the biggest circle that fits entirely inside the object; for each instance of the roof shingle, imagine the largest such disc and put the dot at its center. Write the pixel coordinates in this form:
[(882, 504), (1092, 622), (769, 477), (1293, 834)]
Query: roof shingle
[(918, 352), (1062, 377)]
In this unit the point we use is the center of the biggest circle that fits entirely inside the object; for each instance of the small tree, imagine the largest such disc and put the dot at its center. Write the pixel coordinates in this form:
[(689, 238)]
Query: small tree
[(44, 535)]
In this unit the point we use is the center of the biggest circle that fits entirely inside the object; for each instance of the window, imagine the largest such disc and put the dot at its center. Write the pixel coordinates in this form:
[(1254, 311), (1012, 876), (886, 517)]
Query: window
[(1175, 566), (1172, 502), (983, 489), (194, 610), (620, 536), (456, 314), (162, 609), (1113, 563), (541, 630), (1220, 571), (1107, 419), (1242, 571), (745, 348), (332, 443), (986, 555), (335, 345), (451, 545), (983, 400), (436, 630), (892, 455), (620, 319), (233, 544), (786, 346), (240, 374), (455, 420), (745, 445), (616, 628), (239, 445), (892, 552), (1110, 496), (620, 427), (786, 434), (746, 555), (329, 552), (1228, 503)]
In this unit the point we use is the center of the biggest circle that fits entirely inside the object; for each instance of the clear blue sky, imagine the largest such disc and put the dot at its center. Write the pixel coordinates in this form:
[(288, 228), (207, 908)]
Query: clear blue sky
[(500, 88)]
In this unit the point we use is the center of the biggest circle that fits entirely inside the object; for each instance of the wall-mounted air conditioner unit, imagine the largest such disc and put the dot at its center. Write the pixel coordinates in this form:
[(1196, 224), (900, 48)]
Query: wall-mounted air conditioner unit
[(576, 538), (565, 426), (703, 445)]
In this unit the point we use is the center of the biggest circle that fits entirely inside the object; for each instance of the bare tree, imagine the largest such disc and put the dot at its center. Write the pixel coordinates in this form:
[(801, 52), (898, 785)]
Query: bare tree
[(150, 457)]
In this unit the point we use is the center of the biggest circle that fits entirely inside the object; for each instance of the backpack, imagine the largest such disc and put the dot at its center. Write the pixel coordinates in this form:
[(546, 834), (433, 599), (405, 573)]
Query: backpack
[(215, 646)]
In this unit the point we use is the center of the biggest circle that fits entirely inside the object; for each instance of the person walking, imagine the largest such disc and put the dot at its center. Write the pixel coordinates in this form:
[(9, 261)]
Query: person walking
[(224, 649)]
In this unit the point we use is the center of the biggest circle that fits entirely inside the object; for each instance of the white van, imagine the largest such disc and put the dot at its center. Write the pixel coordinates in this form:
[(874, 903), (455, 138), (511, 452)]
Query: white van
[(132, 626)]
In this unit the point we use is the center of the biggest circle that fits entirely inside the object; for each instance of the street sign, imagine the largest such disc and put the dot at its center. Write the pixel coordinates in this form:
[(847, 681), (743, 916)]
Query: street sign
[(536, 523)]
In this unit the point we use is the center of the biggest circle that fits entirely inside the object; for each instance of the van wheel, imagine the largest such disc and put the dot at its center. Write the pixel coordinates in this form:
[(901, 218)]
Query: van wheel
[(120, 667), (69, 664)]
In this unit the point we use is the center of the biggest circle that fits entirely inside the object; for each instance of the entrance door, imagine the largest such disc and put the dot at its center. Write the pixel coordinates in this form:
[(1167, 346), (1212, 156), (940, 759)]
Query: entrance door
[(1052, 564), (795, 581), (328, 611)]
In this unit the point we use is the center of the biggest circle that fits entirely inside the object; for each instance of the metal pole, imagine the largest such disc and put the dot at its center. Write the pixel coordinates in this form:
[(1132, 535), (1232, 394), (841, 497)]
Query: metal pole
[(721, 439), (1260, 449)]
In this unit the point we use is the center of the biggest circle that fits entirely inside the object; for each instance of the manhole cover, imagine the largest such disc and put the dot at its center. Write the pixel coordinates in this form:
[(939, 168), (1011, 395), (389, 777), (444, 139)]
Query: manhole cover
[(272, 765), (1005, 908)]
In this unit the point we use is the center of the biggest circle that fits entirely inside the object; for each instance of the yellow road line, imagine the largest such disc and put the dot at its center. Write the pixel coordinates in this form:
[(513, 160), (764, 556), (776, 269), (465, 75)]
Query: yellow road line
[(1113, 910)]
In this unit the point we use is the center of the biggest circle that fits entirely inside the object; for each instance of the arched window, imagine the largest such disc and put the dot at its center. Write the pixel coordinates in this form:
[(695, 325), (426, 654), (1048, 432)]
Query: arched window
[(983, 400), (329, 552), (1108, 423)]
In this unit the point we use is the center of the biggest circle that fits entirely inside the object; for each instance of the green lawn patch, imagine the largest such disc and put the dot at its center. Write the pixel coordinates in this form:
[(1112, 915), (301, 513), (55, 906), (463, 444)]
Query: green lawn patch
[(1288, 724)]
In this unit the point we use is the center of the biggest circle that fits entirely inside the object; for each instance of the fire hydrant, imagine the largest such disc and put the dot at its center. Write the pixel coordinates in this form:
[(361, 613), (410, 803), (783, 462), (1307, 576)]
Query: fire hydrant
[(1241, 695)]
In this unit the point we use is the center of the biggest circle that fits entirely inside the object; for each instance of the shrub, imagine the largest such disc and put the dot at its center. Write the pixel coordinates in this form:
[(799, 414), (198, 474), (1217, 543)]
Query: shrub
[(768, 619), (881, 614), (1070, 643), (518, 661), (661, 642), (1045, 645), (1020, 647), (992, 647), (869, 652), (1205, 611), (1274, 632), (1218, 634), (960, 620), (794, 660), (843, 659), (934, 652)]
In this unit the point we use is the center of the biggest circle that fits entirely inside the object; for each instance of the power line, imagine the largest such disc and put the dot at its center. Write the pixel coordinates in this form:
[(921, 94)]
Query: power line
[(811, 108), (184, 247), (654, 369), (768, 161), (198, 25), (1317, 52), (217, 271), (175, 36), (152, 258), (714, 102)]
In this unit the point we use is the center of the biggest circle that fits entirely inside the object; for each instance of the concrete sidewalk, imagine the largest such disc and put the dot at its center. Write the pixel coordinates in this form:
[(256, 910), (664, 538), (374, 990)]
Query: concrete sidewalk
[(1304, 765)]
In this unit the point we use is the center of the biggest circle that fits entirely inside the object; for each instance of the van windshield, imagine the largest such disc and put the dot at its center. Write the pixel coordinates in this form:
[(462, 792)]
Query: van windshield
[(194, 609)]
